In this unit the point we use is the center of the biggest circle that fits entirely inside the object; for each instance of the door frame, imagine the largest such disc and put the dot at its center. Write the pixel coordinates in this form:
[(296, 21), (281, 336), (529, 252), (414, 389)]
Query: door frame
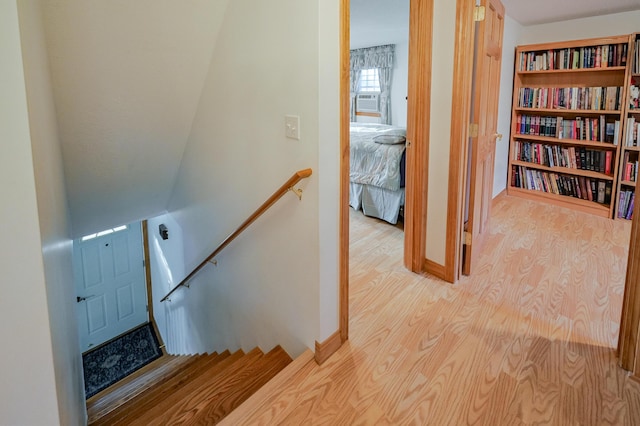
[(460, 120), (418, 112)]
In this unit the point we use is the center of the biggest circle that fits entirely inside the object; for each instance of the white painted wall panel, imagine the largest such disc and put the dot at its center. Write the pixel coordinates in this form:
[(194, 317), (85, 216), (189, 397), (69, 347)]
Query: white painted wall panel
[(440, 127), (265, 289), (27, 359), (53, 212)]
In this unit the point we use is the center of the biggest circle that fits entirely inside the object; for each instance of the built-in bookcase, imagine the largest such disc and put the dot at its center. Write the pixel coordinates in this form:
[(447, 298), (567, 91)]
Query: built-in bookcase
[(569, 104), (630, 144)]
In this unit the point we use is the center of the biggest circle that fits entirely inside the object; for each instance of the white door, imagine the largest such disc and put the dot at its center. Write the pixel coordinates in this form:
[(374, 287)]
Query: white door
[(110, 284)]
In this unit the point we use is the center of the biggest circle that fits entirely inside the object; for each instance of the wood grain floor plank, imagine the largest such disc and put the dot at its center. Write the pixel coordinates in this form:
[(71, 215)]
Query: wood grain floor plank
[(529, 338)]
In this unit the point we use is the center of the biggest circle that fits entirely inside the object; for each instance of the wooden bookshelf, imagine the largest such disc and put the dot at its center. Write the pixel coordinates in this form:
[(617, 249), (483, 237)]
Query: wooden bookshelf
[(578, 103), (630, 141)]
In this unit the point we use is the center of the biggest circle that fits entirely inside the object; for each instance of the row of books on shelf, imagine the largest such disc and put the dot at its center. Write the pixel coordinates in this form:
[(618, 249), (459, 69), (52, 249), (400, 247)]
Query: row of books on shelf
[(573, 186), (634, 96), (631, 138), (608, 55), (636, 62), (626, 201), (579, 158), (583, 98), (629, 168), (587, 129)]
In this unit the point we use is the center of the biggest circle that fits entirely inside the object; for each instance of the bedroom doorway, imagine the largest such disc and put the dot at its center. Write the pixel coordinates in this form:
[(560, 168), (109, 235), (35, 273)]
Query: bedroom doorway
[(379, 61), (417, 131)]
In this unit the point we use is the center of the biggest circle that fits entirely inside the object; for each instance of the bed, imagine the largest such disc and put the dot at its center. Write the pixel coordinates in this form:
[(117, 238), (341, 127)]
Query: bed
[(376, 182)]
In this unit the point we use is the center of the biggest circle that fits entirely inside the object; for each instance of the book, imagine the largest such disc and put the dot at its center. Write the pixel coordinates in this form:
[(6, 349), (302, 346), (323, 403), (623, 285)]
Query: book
[(600, 186), (608, 188), (629, 214)]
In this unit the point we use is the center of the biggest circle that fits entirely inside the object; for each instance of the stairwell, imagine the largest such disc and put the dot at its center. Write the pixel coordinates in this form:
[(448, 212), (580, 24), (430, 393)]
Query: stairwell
[(199, 389)]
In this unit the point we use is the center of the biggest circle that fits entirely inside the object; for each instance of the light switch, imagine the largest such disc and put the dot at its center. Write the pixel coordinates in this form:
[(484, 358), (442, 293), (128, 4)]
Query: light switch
[(292, 126)]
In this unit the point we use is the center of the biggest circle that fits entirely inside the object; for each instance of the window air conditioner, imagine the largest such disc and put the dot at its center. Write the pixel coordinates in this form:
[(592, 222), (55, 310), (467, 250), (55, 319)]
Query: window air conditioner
[(367, 102)]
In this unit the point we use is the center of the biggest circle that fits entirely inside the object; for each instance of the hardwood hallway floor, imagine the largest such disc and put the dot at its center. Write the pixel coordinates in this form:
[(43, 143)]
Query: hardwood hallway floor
[(528, 339)]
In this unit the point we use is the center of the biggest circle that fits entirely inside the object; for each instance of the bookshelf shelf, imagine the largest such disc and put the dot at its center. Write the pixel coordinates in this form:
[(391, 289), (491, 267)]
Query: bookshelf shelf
[(570, 111), (574, 70), (557, 141), (563, 170), (628, 183), (601, 92)]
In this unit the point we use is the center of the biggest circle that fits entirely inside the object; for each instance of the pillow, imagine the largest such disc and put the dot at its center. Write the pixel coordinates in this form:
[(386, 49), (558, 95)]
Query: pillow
[(389, 139)]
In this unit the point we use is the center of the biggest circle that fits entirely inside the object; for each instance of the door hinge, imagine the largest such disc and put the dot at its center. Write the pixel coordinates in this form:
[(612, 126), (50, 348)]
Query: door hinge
[(466, 237), (473, 130), (478, 13)]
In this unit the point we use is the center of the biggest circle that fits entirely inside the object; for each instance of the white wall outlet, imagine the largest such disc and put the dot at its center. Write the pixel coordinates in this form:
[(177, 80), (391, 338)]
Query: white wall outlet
[(292, 126)]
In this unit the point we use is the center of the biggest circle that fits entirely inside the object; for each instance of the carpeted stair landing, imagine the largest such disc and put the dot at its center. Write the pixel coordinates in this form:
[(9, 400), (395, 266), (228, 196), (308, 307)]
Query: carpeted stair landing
[(187, 390)]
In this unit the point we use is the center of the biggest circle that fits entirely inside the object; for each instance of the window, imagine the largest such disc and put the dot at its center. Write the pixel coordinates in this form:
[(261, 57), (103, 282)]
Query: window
[(105, 232), (369, 80)]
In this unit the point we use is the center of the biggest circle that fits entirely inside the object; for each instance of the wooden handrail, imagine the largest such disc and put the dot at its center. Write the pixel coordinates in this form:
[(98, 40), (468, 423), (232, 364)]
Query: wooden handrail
[(286, 187)]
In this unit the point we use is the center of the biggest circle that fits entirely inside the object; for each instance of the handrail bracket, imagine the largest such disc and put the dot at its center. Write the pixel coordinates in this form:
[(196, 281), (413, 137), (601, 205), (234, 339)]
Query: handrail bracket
[(296, 191)]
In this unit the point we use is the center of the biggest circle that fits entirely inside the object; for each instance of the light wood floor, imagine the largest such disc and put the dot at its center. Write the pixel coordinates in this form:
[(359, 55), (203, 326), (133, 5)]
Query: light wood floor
[(529, 338)]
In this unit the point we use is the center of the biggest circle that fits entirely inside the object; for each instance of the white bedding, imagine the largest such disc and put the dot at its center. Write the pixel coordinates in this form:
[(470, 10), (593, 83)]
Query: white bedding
[(372, 163), (375, 172)]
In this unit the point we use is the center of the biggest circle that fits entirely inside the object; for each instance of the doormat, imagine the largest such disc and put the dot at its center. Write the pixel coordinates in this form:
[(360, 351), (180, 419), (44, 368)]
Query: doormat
[(115, 360)]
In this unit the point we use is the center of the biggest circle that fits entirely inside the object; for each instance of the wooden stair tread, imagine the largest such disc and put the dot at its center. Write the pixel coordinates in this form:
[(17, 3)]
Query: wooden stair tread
[(148, 399), (157, 371), (240, 387), (164, 400), (269, 392), (173, 410), (202, 389)]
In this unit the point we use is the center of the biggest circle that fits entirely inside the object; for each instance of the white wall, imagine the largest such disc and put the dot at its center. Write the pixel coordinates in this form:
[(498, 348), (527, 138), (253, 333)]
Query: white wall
[(166, 259), (328, 166), (512, 31), (28, 385), (440, 127), (399, 84), (597, 26), (266, 287), (53, 213)]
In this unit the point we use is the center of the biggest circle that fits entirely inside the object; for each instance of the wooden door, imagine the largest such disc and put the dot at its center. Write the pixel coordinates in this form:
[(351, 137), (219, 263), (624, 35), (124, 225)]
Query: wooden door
[(485, 115), (110, 284)]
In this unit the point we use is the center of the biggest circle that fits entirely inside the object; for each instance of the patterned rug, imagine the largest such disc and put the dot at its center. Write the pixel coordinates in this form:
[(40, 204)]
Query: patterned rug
[(117, 359)]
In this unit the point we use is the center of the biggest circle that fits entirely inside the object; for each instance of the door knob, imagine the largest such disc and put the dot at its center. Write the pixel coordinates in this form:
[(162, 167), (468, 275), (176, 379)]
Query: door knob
[(497, 136), (82, 299)]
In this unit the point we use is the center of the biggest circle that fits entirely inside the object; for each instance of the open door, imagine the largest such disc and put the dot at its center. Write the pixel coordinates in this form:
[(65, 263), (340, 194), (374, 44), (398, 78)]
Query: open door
[(484, 115)]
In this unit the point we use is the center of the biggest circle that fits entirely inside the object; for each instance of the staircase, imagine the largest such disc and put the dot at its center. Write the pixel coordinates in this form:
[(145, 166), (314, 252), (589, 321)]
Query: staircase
[(187, 389)]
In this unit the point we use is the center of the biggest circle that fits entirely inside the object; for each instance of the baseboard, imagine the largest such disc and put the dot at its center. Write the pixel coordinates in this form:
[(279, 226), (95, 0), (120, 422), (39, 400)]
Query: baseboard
[(325, 349), (435, 269)]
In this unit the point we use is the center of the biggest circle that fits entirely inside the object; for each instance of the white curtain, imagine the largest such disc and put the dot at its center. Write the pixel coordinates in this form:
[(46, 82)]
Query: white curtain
[(384, 77), (380, 57), (355, 81)]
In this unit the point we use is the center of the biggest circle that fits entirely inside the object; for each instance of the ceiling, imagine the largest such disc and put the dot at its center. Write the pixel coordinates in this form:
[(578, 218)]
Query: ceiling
[(127, 77), (544, 11), (369, 16)]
